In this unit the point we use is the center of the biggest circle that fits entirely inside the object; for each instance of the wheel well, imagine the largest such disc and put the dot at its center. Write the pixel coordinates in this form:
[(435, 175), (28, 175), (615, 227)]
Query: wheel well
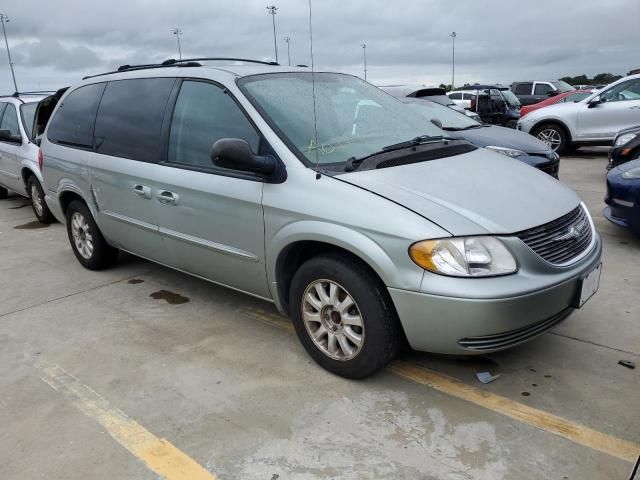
[(554, 122), (297, 253), (66, 198), (26, 173)]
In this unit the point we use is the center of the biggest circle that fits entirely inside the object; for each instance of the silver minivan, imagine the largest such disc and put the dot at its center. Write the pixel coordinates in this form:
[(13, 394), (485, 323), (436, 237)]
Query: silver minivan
[(324, 195)]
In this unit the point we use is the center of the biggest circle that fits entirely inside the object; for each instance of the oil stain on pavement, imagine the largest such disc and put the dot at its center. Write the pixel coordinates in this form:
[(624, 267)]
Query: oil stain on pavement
[(170, 297)]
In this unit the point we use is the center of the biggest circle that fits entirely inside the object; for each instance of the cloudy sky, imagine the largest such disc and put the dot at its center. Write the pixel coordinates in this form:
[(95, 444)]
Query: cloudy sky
[(54, 43)]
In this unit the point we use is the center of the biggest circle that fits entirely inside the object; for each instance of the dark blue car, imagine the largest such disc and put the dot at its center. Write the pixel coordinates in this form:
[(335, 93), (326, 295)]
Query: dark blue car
[(623, 196)]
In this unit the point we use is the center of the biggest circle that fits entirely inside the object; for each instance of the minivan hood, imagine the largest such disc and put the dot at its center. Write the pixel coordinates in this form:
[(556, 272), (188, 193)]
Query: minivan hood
[(475, 193), (503, 137)]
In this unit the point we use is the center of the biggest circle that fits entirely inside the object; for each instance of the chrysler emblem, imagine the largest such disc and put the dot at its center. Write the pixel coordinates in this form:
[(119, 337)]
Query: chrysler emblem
[(573, 233)]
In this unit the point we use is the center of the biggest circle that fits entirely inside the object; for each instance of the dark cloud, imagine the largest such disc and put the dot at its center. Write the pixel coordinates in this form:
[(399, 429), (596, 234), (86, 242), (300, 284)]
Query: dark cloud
[(498, 40)]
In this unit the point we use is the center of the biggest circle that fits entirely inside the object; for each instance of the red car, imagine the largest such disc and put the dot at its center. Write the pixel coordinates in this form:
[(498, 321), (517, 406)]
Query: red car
[(572, 96)]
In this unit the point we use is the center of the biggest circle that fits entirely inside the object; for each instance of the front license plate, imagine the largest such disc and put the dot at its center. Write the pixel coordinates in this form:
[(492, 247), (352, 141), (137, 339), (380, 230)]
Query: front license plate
[(589, 285)]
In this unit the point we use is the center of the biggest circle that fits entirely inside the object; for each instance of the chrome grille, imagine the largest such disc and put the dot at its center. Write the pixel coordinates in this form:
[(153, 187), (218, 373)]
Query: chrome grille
[(560, 240)]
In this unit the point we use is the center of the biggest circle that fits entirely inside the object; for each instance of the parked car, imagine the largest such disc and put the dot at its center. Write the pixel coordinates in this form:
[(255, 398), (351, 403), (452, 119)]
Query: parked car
[(505, 141), (435, 94), (19, 161), (623, 196), (531, 92), (573, 96), (462, 98), (496, 105), (322, 194), (626, 147), (596, 120)]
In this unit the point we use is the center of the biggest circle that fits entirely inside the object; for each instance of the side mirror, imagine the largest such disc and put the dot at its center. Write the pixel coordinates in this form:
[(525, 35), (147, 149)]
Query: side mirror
[(236, 154), (552, 93), (595, 101), (6, 136), (437, 123)]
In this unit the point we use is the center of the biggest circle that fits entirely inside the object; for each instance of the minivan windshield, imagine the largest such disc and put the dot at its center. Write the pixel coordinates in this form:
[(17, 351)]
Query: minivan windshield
[(353, 118)]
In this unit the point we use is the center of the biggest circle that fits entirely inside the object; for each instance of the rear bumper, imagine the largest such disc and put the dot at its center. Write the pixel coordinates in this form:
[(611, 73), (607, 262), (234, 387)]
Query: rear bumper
[(468, 326)]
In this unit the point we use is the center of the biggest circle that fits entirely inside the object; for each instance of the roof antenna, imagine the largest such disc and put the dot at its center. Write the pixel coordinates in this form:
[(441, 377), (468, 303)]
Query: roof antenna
[(313, 86)]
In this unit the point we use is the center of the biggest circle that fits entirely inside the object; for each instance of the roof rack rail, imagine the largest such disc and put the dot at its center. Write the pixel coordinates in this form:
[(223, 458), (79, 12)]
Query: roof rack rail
[(131, 68), (172, 61)]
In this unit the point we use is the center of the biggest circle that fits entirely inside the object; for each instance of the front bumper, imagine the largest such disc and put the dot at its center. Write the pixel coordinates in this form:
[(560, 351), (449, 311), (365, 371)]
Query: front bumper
[(469, 323)]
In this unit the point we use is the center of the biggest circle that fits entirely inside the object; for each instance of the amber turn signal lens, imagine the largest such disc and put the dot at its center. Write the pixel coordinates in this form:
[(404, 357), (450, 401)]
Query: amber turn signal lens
[(421, 252)]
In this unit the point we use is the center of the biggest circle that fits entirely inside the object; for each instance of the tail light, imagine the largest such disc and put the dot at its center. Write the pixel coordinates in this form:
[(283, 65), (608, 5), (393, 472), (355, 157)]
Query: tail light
[(40, 159)]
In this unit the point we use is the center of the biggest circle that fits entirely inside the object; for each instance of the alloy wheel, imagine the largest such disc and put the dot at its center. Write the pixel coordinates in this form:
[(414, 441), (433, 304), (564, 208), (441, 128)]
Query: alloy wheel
[(36, 199), (81, 236), (333, 320), (551, 137)]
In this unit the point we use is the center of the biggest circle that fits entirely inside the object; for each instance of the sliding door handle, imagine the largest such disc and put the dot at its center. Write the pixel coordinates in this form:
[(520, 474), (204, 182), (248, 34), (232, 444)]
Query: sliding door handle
[(168, 198), (142, 191)]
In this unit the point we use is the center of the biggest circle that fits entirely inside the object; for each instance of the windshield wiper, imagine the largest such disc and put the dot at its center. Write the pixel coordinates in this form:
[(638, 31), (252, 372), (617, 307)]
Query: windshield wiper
[(459, 129), (353, 163)]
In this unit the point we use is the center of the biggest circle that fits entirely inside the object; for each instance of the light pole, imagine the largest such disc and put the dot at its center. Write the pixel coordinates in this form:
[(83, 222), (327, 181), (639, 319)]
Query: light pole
[(4, 19), (272, 9), (453, 58), (364, 56), (287, 40), (177, 32)]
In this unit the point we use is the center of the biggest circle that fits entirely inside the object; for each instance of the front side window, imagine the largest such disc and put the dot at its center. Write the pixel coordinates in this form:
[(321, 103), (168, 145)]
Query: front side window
[(10, 120), (455, 96), (205, 113), (28, 111), (625, 91), (542, 89), (74, 120), (352, 118), (129, 123)]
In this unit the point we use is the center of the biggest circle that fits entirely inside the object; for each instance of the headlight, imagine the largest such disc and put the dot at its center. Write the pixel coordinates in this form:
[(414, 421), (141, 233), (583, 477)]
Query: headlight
[(464, 257), (623, 139), (509, 152), (632, 174)]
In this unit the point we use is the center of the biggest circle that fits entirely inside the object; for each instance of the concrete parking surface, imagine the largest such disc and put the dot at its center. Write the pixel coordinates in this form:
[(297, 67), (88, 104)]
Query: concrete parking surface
[(144, 372)]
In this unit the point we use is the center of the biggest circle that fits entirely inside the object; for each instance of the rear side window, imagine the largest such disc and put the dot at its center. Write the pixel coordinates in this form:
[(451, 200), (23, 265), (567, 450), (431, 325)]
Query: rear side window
[(74, 120), (524, 89), (10, 120), (205, 113), (129, 122), (455, 96), (28, 111)]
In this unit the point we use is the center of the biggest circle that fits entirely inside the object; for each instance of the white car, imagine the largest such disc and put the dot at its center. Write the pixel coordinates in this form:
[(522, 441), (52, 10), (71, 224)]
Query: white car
[(19, 163), (593, 121), (462, 97)]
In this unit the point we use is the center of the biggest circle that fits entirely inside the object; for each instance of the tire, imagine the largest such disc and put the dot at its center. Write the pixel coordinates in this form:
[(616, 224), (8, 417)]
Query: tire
[(511, 124), (554, 136), (379, 331), (3, 193), (90, 248), (39, 206)]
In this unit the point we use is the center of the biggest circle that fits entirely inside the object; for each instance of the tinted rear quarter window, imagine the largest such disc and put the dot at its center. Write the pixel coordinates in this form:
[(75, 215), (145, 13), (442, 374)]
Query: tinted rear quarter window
[(10, 120), (130, 116), (74, 120), (524, 89)]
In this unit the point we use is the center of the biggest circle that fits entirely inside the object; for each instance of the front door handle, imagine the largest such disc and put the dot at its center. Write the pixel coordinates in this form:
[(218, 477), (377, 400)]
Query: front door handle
[(168, 198), (142, 190)]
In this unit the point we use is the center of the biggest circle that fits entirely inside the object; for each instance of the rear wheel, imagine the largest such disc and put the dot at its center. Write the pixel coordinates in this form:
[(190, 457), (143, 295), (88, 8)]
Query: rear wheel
[(3, 193), (87, 243), (554, 136), (40, 209), (343, 316)]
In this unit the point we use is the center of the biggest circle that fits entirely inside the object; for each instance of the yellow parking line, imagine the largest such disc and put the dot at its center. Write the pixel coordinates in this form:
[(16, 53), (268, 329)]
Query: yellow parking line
[(158, 454), (548, 422)]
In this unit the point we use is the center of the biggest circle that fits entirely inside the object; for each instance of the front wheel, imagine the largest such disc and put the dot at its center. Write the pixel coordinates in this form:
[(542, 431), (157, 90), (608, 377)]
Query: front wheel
[(87, 242), (554, 136), (40, 208), (343, 316), (3, 193)]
